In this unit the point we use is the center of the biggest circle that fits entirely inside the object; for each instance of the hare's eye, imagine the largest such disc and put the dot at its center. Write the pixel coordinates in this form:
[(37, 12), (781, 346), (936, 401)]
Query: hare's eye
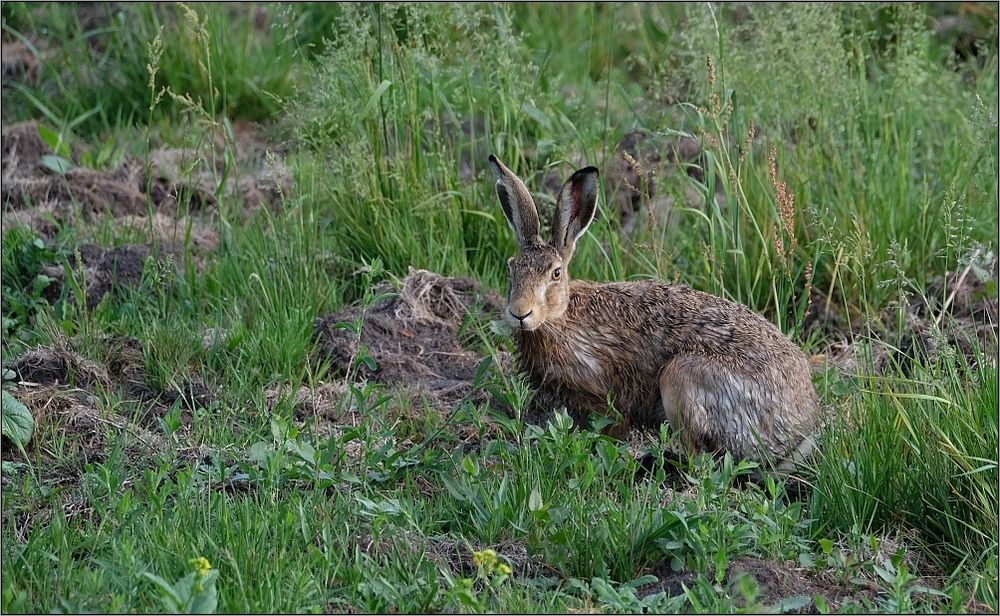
[(556, 273)]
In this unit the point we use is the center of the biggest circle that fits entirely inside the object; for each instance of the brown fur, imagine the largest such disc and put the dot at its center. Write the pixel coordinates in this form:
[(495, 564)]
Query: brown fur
[(724, 377)]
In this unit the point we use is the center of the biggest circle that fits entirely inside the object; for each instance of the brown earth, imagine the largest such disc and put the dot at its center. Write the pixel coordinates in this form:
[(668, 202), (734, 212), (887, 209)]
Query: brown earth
[(415, 337), (169, 207), (102, 270), (175, 184), (122, 370), (776, 581), (71, 431), (958, 313)]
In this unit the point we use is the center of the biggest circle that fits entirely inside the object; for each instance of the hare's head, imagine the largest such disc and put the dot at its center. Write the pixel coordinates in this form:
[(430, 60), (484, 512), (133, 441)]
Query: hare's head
[(539, 276)]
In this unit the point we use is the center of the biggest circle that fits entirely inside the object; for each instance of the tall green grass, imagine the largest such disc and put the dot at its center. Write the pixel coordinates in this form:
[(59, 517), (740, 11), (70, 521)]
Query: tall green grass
[(241, 63), (920, 453), (896, 174)]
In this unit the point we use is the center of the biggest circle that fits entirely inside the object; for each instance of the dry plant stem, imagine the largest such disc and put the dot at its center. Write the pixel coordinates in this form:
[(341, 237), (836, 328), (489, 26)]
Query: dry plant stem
[(954, 289)]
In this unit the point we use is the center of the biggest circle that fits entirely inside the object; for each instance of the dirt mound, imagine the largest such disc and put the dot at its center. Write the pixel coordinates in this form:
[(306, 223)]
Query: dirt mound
[(71, 431), (122, 369), (319, 405), (21, 151), (414, 337), (457, 556), (59, 365), (88, 193), (27, 182), (173, 232), (103, 270), (175, 184), (777, 581)]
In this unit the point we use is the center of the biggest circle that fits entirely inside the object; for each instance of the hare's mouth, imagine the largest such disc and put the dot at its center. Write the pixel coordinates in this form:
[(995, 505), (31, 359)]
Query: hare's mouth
[(523, 322)]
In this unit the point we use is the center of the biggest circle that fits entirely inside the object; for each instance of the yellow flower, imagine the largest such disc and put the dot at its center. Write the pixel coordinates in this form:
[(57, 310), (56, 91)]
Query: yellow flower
[(485, 558), (200, 564), (503, 568)]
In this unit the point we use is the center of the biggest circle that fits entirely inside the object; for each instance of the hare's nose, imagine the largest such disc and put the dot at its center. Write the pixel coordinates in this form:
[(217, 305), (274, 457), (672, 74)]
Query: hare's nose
[(522, 317)]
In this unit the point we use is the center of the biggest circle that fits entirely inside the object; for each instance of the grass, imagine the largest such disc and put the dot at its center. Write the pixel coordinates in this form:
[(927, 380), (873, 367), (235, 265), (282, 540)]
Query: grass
[(856, 159)]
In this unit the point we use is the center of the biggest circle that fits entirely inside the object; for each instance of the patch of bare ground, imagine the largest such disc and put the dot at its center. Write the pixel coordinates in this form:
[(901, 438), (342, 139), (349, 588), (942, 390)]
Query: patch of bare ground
[(46, 201), (415, 337), (776, 581), (121, 371), (169, 198), (99, 271), (166, 204), (323, 408), (71, 431)]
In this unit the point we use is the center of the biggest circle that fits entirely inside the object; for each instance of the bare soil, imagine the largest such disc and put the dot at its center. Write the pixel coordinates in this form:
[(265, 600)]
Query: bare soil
[(122, 370), (775, 581), (416, 337), (176, 184), (72, 431), (455, 556)]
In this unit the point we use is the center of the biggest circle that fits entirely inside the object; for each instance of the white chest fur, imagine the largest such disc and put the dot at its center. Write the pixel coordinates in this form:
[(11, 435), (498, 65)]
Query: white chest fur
[(580, 362)]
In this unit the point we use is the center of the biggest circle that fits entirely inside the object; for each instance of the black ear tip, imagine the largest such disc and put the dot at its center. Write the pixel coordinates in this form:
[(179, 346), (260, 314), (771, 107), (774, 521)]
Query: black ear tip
[(586, 171), (494, 159)]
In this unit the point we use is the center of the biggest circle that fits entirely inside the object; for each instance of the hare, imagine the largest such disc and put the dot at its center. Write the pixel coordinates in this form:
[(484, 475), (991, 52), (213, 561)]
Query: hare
[(723, 377)]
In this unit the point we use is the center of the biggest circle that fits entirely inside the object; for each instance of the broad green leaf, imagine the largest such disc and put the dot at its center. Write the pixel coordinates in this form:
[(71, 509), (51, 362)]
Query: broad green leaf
[(58, 164), (11, 468), (534, 500), (17, 422), (207, 599), (171, 599), (458, 490)]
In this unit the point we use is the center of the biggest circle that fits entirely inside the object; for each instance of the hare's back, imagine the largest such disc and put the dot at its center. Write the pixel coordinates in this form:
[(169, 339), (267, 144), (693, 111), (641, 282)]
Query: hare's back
[(681, 320)]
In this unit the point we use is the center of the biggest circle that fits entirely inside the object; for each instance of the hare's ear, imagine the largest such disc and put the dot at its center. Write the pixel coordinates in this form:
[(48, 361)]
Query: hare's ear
[(517, 204), (575, 210)]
